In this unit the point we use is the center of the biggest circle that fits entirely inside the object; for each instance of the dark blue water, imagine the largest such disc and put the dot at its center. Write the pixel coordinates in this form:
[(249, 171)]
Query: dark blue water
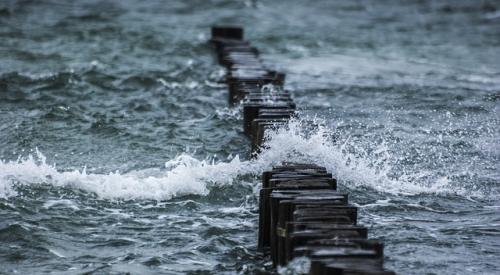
[(120, 154)]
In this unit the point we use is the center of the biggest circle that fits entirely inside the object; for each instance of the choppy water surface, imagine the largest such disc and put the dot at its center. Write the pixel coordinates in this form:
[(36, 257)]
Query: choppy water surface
[(119, 153)]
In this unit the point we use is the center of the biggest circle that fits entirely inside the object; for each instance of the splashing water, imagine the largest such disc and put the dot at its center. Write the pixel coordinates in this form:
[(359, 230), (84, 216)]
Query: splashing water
[(184, 175), (409, 92), (352, 164)]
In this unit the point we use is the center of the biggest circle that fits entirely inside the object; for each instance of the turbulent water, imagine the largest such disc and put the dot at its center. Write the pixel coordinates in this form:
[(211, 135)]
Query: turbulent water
[(119, 152)]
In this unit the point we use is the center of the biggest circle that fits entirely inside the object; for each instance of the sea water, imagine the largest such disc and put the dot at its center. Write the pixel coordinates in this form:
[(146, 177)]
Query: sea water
[(119, 152)]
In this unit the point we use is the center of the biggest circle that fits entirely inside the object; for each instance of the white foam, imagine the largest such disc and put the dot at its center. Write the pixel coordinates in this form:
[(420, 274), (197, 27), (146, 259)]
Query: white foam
[(61, 203), (227, 113), (352, 165), (58, 254), (185, 175)]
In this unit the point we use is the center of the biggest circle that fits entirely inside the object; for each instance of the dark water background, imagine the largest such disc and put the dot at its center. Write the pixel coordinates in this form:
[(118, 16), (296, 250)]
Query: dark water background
[(119, 153)]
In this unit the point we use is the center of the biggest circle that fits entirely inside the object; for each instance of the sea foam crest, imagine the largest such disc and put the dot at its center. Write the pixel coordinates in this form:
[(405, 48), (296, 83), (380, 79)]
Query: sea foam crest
[(349, 162), (185, 174)]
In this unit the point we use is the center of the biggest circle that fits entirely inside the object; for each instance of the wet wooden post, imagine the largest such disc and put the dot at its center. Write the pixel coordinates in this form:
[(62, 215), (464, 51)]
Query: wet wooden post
[(300, 211)]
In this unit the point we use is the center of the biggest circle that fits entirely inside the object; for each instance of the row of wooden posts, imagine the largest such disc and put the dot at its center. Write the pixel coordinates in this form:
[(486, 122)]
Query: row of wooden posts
[(300, 211)]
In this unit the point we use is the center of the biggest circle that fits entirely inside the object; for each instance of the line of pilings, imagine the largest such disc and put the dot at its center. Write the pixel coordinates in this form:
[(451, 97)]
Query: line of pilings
[(301, 213)]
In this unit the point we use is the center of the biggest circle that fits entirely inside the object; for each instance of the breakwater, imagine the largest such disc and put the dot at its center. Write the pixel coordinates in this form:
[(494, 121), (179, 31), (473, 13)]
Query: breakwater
[(301, 213)]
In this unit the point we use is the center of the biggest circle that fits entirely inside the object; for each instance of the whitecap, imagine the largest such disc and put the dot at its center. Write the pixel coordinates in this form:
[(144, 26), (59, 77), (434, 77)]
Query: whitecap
[(186, 175)]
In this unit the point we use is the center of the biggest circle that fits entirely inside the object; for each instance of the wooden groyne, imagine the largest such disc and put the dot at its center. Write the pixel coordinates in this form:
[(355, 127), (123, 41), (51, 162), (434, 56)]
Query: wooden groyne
[(301, 213)]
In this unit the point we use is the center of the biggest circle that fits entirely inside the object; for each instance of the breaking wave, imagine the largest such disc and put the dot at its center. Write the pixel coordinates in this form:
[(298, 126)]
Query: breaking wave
[(185, 175)]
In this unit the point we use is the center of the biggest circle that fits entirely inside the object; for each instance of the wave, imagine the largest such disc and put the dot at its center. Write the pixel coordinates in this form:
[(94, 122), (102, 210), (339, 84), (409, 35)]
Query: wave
[(355, 165), (184, 174)]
